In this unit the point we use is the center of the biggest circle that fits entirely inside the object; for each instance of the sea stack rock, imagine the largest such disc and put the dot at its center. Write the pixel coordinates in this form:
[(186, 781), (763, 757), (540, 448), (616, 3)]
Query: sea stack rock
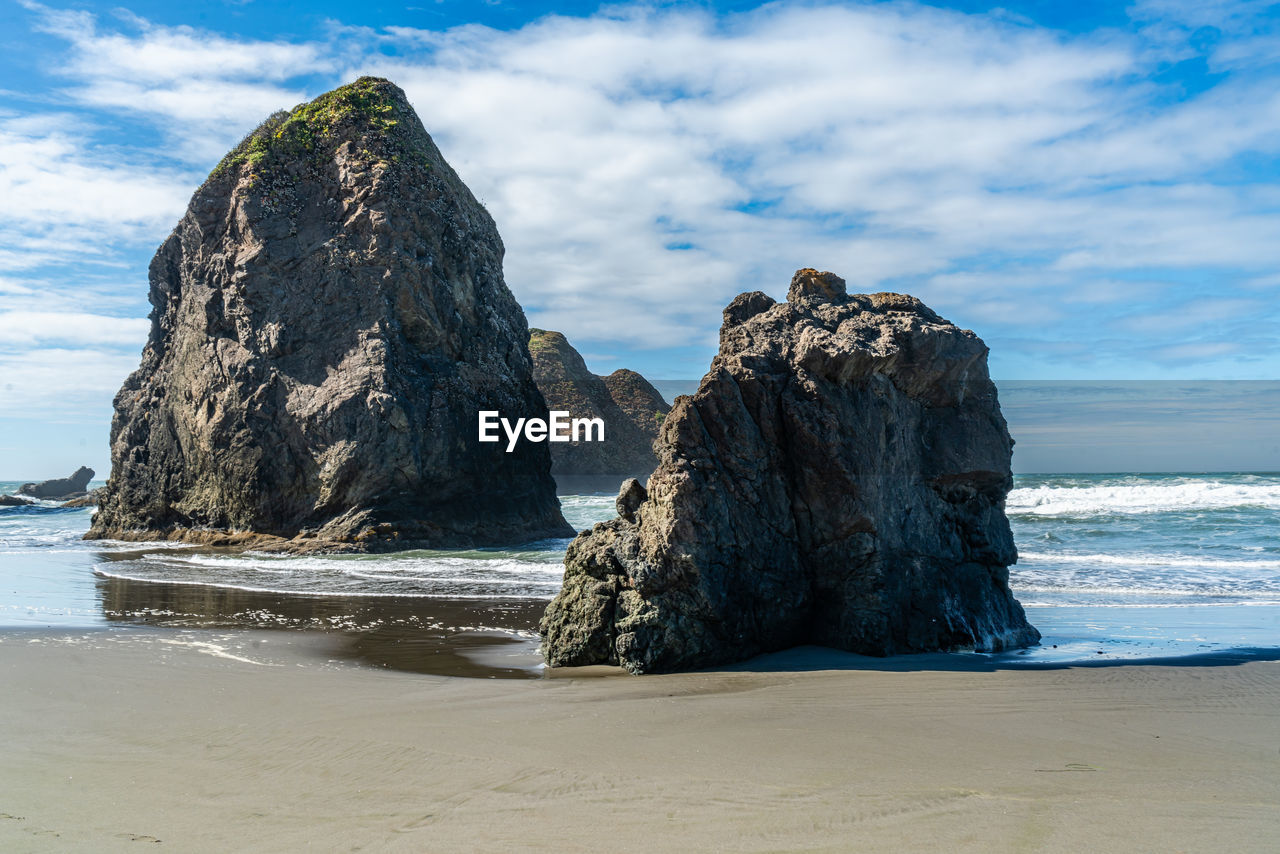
[(328, 318), (838, 479), (629, 406), (62, 487), (641, 402)]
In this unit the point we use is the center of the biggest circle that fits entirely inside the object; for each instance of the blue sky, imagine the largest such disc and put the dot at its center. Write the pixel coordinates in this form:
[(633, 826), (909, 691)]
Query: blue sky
[(1092, 187)]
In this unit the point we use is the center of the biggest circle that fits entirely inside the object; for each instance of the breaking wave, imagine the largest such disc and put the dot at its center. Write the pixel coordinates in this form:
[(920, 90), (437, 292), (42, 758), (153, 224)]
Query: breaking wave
[(1144, 497), (535, 574)]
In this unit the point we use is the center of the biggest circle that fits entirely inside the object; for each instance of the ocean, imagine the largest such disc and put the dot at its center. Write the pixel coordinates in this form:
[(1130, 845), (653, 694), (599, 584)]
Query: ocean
[(1111, 567)]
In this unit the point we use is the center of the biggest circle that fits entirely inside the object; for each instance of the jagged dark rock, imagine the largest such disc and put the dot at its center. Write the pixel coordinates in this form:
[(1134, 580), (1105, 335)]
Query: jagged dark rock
[(838, 479), (328, 317), (809, 285), (89, 499), (630, 497), (14, 501), (628, 405), (63, 487)]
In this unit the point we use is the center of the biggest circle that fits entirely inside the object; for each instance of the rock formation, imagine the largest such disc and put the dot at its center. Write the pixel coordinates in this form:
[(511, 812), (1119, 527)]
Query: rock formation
[(63, 487), (89, 499), (838, 479), (328, 318), (641, 402), (625, 401), (14, 501)]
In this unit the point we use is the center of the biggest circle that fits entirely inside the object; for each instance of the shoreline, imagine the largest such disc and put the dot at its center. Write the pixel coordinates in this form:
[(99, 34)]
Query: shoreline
[(1089, 583), (263, 741), (489, 652), (417, 633)]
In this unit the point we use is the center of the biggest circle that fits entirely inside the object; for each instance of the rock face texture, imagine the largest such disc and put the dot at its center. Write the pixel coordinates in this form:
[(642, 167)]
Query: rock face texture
[(89, 499), (328, 317), (641, 402), (838, 479), (63, 487), (629, 406)]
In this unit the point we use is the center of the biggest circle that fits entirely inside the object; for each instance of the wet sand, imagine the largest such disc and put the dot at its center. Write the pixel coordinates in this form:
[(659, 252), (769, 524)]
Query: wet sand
[(431, 635), (272, 741)]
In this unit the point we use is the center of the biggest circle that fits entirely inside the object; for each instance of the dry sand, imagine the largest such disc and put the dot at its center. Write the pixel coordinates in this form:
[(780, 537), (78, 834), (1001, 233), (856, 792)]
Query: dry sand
[(121, 740)]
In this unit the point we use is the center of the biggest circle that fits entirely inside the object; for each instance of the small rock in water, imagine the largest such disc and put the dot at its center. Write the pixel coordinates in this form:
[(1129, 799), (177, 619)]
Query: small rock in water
[(63, 487)]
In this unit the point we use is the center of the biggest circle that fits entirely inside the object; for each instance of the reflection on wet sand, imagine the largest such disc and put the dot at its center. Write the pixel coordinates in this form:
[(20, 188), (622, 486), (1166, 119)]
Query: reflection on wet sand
[(475, 637)]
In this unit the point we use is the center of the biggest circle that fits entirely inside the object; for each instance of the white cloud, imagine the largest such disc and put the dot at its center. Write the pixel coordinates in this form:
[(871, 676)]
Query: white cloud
[(172, 54), (53, 178), (1191, 315), (893, 140), (644, 165), (207, 90), (66, 201), (1230, 15), (31, 328), (1263, 282), (1199, 351), (54, 383)]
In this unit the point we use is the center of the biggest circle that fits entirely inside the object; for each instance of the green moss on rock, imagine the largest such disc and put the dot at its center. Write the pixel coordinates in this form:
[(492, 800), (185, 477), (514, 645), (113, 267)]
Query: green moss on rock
[(541, 340), (308, 130)]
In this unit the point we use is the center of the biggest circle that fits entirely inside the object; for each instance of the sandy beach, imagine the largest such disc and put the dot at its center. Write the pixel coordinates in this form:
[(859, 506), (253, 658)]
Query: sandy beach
[(416, 421), (201, 741)]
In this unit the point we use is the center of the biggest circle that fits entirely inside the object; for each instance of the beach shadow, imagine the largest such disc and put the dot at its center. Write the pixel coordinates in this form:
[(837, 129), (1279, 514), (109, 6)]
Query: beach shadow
[(808, 659)]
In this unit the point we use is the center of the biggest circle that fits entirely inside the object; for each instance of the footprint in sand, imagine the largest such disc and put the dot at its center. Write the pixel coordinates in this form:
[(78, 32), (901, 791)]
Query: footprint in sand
[(417, 824), (1070, 766), (136, 837), (34, 831)]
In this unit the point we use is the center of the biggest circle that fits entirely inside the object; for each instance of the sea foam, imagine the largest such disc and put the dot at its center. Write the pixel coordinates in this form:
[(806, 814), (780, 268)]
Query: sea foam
[(1146, 496)]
